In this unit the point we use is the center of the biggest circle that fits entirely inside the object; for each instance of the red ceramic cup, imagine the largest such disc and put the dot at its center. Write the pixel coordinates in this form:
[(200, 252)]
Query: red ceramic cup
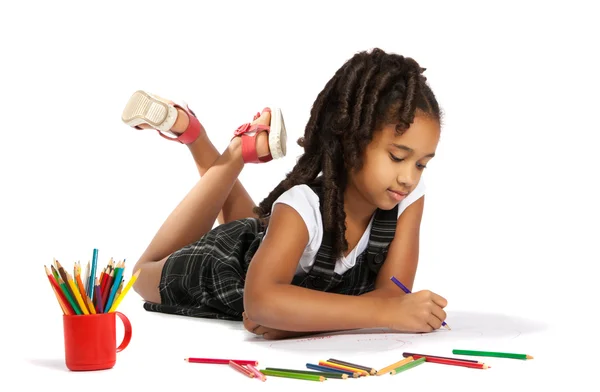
[(91, 340)]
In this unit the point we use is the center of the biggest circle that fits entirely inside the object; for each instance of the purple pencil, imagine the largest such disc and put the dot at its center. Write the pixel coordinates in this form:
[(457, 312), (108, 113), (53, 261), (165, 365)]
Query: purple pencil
[(98, 297)]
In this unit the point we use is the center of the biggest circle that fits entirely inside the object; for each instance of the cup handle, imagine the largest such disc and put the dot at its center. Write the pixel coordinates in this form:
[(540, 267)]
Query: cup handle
[(127, 334)]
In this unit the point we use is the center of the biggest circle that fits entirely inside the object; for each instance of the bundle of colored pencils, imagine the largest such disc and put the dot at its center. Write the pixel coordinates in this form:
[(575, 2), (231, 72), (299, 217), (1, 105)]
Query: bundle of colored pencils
[(89, 294)]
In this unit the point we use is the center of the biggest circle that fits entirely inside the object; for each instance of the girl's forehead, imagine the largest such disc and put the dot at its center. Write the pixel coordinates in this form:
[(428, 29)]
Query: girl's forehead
[(422, 136)]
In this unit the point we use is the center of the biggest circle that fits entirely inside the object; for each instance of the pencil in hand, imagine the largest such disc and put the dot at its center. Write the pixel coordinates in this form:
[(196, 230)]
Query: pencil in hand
[(407, 291)]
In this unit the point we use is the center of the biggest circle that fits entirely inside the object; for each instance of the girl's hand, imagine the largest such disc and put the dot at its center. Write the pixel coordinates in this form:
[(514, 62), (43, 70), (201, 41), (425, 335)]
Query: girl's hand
[(422, 311)]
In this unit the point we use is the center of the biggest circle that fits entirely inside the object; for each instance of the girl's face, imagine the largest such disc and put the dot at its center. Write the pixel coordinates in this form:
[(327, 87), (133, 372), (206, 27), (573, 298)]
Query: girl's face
[(393, 165)]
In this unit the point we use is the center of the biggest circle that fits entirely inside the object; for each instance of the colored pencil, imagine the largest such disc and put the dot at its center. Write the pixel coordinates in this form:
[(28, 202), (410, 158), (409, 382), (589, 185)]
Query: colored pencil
[(408, 365), (342, 376), (437, 356), (63, 275), (407, 291), (106, 288), (241, 369), (82, 305), (393, 366), (342, 367), (54, 272), (326, 369), (455, 362), (125, 290), (256, 372), (81, 290), (353, 365), (299, 376), (492, 354), (98, 297), (221, 361), (93, 272), (114, 288), (60, 296), (86, 278), (67, 294)]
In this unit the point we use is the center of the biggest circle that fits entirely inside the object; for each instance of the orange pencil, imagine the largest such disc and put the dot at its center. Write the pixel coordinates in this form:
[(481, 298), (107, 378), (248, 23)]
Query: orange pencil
[(342, 367), (81, 289)]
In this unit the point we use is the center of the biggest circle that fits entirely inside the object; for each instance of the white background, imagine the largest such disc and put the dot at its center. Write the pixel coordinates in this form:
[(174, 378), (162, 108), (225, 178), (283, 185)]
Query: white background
[(510, 227)]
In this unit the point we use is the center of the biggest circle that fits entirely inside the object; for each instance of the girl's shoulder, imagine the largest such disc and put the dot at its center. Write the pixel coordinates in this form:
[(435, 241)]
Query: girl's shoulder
[(301, 197)]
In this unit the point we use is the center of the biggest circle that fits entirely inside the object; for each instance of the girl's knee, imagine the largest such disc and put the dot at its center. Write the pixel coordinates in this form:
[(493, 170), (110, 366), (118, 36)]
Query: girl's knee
[(147, 283)]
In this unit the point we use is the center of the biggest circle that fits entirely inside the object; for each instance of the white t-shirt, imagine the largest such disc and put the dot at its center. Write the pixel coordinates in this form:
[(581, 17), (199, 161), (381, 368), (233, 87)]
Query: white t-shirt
[(306, 202)]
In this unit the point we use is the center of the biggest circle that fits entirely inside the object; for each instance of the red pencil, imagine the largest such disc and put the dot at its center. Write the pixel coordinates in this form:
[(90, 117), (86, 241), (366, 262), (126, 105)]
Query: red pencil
[(64, 304), (455, 362), (417, 356), (221, 361)]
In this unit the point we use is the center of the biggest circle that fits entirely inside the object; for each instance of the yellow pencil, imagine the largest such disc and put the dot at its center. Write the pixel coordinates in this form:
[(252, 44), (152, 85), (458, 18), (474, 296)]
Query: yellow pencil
[(80, 287), (77, 295), (125, 290)]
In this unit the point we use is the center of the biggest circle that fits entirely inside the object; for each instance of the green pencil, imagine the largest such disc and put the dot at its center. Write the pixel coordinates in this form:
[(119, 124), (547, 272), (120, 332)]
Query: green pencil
[(492, 354), (67, 292), (324, 374), (299, 376), (409, 365)]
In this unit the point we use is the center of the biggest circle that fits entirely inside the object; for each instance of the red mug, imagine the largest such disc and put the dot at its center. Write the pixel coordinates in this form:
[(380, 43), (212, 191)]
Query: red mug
[(91, 340)]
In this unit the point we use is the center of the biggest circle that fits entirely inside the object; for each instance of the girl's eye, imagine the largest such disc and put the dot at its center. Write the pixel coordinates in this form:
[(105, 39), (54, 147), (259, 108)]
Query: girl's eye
[(421, 167), (395, 158)]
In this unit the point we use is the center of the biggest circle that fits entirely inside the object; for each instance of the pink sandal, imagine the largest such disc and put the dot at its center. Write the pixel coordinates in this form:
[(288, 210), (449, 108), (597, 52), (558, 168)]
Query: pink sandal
[(145, 108), (277, 137)]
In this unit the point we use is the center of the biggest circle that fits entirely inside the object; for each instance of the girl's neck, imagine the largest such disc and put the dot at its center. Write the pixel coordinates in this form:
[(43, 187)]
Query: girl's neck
[(356, 207)]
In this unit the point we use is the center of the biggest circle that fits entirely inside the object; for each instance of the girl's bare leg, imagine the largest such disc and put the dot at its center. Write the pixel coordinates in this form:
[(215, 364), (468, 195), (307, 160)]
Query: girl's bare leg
[(238, 204), (196, 213)]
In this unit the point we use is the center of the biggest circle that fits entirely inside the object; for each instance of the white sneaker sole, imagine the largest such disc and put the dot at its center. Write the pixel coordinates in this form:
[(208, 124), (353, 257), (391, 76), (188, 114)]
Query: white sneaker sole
[(277, 135), (144, 108)]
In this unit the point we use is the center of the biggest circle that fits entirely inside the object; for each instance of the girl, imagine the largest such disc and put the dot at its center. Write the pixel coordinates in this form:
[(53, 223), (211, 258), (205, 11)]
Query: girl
[(318, 252)]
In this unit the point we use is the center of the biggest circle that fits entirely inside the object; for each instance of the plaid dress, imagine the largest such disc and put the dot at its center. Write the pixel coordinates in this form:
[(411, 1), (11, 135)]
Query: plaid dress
[(206, 278)]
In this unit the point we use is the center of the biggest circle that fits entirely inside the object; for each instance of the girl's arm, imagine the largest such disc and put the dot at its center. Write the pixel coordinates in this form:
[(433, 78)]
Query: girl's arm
[(403, 255), (271, 301)]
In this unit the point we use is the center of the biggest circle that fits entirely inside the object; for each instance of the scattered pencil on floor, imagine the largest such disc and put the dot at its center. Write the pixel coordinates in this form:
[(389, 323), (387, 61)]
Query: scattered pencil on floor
[(221, 361), (342, 367), (329, 369), (393, 366), (407, 366), (492, 354), (298, 376), (256, 372), (406, 355), (353, 365), (241, 369), (342, 376)]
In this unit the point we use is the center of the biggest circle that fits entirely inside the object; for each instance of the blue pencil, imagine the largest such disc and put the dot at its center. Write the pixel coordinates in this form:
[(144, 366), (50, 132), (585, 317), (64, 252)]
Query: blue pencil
[(92, 280), (407, 291), (114, 288), (327, 369)]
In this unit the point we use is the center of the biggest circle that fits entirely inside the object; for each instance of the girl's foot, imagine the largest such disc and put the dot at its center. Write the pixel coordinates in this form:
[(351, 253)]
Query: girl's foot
[(264, 138), (148, 111)]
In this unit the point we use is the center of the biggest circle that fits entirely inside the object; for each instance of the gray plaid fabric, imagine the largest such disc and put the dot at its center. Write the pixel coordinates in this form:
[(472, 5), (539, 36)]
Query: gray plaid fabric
[(206, 279)]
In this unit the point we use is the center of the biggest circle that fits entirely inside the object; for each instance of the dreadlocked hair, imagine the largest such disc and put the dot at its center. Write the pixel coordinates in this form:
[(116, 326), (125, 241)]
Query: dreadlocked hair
[(370, 90)]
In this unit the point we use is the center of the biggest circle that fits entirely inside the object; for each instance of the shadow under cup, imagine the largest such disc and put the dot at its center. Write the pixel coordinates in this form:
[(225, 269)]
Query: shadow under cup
[(91, 340)]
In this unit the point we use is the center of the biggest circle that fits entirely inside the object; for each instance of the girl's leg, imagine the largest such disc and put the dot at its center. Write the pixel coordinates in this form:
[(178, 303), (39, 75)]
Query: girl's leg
[(238, 204), (196, 213)]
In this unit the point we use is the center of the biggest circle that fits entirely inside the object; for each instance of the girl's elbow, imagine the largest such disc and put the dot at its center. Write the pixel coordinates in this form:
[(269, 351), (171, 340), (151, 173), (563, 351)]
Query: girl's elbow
[(255, 306)]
